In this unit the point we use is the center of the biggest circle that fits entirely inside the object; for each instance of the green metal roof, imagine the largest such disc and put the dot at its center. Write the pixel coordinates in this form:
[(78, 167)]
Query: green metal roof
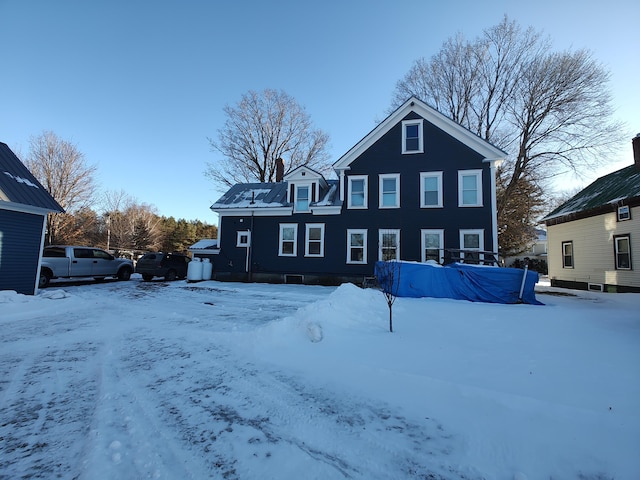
[(616, 188)]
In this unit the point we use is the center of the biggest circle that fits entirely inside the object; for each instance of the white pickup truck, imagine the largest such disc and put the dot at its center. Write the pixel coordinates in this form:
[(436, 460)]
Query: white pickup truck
[(62, 261)]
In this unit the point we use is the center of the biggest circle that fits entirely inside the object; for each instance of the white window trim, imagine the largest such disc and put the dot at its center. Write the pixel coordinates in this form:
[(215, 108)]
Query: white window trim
[(298, 186), (366, 191), (364, 246), (478, 175), (239, 235), (381, 178), (424, 175), (573, 261), (440, 233), (624, 213), (394, 231), (307, 240), (405, 123), (480, 233), (615, 245), (295, 240)]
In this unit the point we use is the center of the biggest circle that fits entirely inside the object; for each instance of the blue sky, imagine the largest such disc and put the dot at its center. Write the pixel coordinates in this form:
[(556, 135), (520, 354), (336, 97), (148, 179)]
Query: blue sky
[(139, 86)]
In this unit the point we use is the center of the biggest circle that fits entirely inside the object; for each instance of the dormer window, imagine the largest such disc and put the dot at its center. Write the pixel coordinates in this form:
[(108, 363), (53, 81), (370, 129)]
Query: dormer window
[(302, 198), (412, 139)]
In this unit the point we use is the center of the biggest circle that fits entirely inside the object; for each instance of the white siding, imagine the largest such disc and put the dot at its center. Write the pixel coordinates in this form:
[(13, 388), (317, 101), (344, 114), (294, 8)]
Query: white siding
[(593, 251)]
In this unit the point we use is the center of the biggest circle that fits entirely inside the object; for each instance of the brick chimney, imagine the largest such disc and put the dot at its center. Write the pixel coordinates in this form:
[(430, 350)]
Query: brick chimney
[(280, 166), (636, 151)]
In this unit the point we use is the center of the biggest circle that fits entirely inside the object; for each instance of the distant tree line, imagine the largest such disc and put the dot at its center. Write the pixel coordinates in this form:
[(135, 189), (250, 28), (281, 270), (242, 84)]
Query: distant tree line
[(136, 228), (114, 220)]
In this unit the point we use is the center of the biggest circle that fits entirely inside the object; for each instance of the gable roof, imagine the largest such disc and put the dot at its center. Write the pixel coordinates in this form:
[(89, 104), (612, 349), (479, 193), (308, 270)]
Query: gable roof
[(603, 195), (444, 123), (18, 186)]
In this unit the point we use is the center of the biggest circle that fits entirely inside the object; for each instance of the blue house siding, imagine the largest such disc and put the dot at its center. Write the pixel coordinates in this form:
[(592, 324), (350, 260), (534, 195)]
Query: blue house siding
[(20, 238), (447, 149)]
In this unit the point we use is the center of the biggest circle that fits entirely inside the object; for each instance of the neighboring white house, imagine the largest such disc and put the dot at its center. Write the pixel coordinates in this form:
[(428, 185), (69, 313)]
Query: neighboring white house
[(594, 238)]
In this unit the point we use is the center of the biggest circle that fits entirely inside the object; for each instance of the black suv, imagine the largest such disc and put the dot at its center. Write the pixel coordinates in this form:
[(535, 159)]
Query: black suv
[(167, 265)]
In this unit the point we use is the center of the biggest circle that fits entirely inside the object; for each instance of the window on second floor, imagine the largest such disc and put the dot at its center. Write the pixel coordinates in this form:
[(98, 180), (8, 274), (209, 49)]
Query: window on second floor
[(567, 254), (314, 240), (388, 245), (412, 139), (430, 189), (622, 245), (624, 213), (389, 195), (357, 195), (470, 188), (288, 240)]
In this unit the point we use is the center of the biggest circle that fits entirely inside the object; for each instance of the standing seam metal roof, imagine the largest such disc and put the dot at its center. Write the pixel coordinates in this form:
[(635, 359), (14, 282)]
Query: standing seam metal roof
[(18, 185)]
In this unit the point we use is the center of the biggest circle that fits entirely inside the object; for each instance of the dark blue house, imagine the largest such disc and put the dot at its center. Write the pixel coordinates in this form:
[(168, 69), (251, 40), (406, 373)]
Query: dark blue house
[(418, 187), (24, 205)]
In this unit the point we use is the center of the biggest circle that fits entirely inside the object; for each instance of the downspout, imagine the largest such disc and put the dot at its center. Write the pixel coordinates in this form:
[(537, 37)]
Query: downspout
[(493, 164), (250, 250)]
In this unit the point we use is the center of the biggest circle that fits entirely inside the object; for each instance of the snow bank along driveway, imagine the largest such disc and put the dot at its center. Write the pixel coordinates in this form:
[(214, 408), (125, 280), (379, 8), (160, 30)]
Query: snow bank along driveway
[(129, 380)]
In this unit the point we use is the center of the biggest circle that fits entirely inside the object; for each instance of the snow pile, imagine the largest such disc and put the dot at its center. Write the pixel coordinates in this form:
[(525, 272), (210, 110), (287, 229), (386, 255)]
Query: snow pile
[(535, 391)]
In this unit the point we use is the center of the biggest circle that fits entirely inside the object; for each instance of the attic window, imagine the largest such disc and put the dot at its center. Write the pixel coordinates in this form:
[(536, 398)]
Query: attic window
[(412, 140), (624, 213)]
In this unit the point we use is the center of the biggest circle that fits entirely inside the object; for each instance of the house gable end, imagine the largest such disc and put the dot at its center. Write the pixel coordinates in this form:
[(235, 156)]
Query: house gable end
[(414, 109)]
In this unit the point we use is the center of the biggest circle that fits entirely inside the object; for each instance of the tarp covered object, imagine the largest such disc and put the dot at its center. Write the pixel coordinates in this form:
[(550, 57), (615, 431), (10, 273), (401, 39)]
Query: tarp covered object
[(457, 280)]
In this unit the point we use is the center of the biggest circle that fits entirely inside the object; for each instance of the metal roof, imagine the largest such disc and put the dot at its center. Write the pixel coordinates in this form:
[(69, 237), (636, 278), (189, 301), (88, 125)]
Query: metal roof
[(615, 188), (269, 195), (18, 186)]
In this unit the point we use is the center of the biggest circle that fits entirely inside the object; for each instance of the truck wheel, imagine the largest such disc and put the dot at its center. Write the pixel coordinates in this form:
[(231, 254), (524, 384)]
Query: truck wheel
[(124, 274), (170, 276), (45, 278), (146, 277)]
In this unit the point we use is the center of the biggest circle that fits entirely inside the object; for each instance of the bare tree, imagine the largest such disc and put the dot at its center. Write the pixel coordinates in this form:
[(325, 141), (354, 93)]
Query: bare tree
[(130, 225), (550, 110), (260, 129), (62, 169), (388, 278)]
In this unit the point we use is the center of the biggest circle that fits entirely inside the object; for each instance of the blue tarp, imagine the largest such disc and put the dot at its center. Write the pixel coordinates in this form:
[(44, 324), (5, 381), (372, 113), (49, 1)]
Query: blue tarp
[(457, 280)]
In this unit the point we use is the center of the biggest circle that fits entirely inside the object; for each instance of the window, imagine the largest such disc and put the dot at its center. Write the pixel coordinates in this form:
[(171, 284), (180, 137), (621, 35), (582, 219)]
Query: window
[(356, 246), (430, 189), (623, 252), (433, 245), (567, 254), (470, 188), (471, 240), (288, 240), (388, 245), (302, 199), (624, 213), (389, 190), (243, 238), (412, 136), (314, 244), (357, 197)]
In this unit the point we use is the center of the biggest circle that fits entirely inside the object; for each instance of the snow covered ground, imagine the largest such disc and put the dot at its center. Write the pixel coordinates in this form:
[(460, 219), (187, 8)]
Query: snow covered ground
[(131, 380)]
